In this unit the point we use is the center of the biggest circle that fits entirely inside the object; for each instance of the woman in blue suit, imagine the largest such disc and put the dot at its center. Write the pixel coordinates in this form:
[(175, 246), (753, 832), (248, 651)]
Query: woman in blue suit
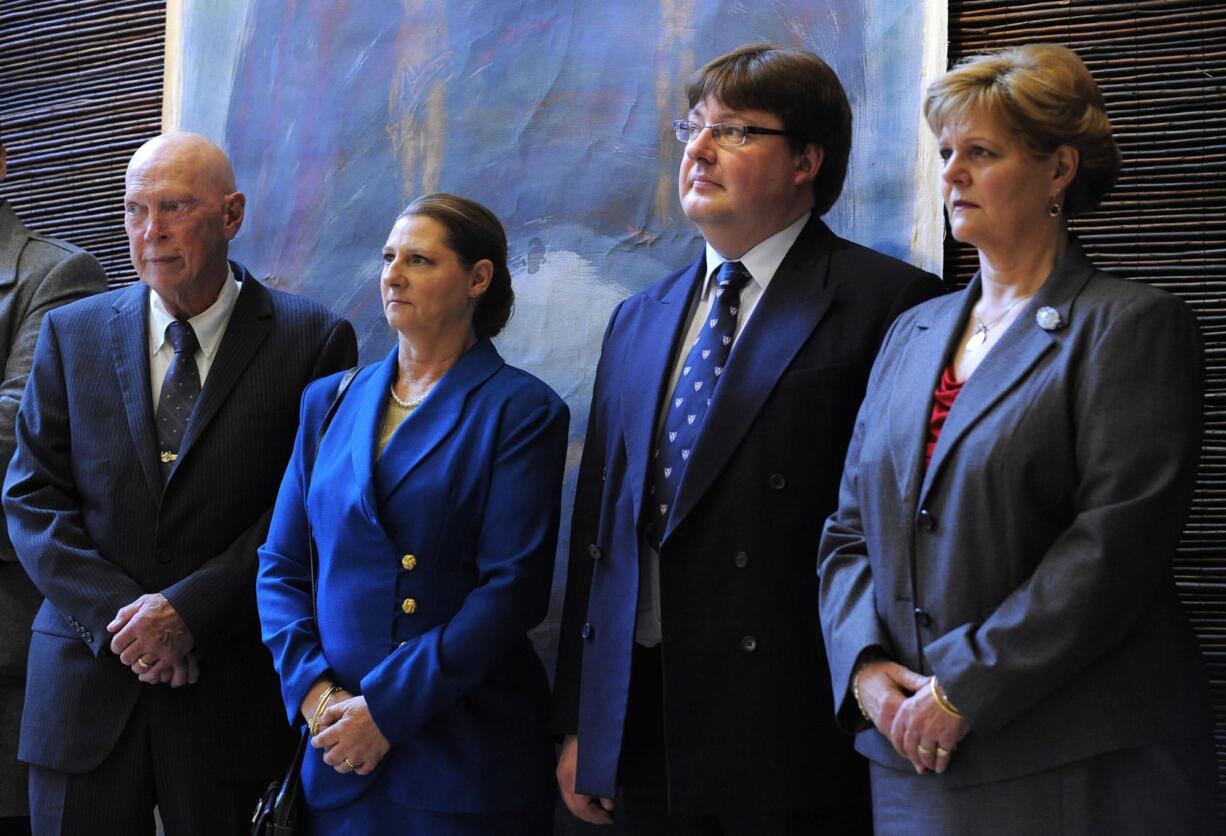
[(433, 500)]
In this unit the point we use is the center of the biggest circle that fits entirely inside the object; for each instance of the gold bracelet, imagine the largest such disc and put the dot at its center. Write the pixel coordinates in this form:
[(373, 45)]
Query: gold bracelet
[(324, 699), (942, 700), (855, 688)]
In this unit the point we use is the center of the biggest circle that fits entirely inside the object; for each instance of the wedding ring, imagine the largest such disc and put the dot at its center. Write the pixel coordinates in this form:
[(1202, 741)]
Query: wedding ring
[(140, 660), (352, 765), (924, 750), (943, 752)]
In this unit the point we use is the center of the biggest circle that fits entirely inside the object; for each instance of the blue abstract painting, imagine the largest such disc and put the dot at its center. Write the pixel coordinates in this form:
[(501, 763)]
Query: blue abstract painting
[(556, 115)]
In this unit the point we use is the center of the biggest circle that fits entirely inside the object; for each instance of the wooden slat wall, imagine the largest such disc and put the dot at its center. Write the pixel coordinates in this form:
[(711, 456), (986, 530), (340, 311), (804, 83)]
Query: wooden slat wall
[(1161, 65), (80, 90)]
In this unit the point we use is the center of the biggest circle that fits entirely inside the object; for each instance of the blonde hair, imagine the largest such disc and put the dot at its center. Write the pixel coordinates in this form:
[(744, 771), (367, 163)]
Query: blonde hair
[(1045, 93)]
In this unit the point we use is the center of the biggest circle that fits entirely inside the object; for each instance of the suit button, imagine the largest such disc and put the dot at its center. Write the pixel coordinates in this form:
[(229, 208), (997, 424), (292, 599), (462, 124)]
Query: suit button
[(922, 618), (408, 562), (740, 560), (409, 606), (588, 632), (593, 551), (927, 522), (163, 555), (777, 481), (749, 644)]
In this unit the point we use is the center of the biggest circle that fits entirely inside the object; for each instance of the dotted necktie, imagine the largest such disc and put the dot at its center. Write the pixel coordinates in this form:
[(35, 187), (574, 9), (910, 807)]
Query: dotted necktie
[(179, 390), (692, 397)]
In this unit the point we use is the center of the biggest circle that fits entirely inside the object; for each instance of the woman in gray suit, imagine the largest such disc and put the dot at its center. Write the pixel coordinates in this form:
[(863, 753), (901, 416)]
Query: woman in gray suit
[(996, 590)]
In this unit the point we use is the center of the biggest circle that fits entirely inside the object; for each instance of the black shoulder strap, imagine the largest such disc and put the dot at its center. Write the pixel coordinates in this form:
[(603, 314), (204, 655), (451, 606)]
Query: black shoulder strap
[(341, 389)]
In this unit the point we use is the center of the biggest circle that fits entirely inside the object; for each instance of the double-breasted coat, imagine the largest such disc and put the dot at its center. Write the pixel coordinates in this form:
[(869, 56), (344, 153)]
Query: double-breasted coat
[(747, 710)]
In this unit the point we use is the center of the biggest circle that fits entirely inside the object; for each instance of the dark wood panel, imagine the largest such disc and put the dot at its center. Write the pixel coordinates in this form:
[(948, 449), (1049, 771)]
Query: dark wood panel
[(80, 90)]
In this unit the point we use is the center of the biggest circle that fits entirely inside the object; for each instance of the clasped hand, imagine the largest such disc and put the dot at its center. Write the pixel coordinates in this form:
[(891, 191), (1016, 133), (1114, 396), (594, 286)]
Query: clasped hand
[(900, 704), (349, 737), (152, 639), (589, 808)]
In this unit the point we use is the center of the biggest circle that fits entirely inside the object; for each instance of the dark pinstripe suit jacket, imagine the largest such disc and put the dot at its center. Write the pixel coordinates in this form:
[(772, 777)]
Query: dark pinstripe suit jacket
[(95, 528)]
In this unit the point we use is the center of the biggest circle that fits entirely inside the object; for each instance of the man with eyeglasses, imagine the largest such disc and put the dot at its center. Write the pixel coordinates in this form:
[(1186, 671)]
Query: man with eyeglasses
[(692, 682)]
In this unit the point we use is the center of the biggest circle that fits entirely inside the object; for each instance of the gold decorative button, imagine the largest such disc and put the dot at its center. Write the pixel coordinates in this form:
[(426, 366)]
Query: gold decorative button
[(409, 606), (408, 562)]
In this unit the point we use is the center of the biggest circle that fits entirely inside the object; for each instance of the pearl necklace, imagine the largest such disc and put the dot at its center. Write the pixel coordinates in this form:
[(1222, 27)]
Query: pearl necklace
[(391, 390)]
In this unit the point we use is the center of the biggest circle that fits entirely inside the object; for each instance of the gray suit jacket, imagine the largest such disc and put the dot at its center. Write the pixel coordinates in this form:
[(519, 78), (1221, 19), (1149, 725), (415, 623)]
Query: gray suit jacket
[(1029, 566), (36, 275)]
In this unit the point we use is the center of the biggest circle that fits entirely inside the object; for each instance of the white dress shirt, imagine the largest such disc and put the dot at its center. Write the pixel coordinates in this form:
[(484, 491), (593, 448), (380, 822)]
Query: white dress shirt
[(210, 327), (761, 262)]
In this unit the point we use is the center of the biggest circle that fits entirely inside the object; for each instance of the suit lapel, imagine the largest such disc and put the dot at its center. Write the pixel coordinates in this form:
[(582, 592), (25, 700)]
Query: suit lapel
[(1013, 356), (791, 308), (366, 398), (648, 364), (429, 424), (129, 326), (923, 358), (250, 323), (13, 237)]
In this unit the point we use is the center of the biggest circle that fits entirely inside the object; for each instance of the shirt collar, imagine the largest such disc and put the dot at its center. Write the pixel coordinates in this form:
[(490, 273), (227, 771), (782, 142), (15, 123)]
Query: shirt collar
[(207, 325), (763, 260)]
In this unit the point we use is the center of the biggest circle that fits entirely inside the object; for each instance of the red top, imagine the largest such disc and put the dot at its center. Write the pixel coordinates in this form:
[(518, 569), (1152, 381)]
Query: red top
[(943, 398)]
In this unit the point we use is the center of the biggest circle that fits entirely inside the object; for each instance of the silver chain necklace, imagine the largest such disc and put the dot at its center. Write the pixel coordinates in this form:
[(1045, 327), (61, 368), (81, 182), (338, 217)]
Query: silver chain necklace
[(980, 334)]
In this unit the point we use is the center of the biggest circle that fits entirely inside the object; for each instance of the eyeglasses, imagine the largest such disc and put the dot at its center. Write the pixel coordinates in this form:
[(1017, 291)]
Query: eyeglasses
[(728, 136)]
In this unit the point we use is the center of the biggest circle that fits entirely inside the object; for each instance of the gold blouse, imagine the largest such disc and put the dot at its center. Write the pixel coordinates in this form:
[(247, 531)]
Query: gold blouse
[(393, 416)]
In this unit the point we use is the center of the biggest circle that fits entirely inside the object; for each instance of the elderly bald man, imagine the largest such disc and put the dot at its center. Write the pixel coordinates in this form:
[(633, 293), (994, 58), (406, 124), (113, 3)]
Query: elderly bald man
[(154, 431)]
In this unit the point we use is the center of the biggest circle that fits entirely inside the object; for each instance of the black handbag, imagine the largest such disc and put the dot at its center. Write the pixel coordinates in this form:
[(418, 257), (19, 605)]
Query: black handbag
[(278, 811)]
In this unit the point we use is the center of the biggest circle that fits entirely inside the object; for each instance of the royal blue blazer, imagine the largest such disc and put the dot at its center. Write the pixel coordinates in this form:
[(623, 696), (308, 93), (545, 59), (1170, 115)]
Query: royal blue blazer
[(469, 489)]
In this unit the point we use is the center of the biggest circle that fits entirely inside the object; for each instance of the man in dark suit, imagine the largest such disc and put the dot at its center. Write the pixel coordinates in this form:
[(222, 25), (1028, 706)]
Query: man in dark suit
[(36, 275), (691, 674), (150, 446)]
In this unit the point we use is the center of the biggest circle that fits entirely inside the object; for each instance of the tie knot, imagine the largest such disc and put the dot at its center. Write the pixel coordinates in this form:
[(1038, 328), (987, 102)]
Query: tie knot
[(182, 337), (732, 276)]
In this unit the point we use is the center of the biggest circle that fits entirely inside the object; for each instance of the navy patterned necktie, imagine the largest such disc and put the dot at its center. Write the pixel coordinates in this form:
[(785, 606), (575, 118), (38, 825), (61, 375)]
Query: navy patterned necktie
[(179, 390), (692, 397)]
